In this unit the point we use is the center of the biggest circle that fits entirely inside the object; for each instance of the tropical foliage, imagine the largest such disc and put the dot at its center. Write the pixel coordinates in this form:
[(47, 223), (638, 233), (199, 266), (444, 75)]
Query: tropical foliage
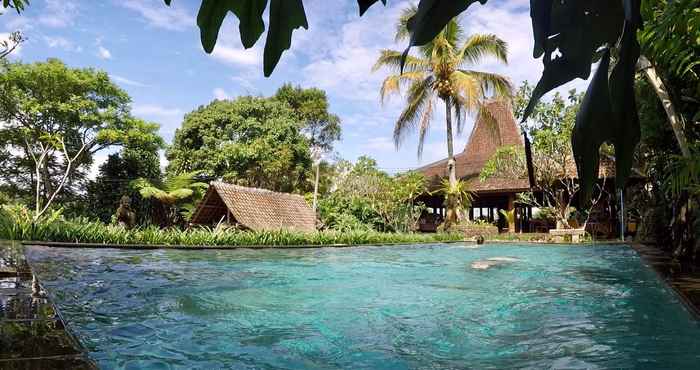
[(177, 196), (366, 198), (310, 106), (16, 223), (457, 198), (550, 125), (55, 119), (250, 141)]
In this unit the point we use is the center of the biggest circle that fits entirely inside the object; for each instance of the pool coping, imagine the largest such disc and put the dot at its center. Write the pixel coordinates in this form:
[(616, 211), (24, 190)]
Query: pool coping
[(299, 246), (79, 353), (652, 255)]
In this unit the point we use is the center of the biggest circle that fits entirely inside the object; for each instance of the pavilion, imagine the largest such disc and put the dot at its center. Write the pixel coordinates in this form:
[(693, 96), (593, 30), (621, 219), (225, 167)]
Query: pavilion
[(495, 127)]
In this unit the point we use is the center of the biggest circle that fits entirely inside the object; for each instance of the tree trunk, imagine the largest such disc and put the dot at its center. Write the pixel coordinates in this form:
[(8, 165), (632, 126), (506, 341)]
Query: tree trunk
[(675, 119), (315, 203), (451, 170), (451, 203)]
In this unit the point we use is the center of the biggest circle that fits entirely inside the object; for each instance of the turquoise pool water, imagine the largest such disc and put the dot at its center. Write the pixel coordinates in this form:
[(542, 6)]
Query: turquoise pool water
[(405, 307)]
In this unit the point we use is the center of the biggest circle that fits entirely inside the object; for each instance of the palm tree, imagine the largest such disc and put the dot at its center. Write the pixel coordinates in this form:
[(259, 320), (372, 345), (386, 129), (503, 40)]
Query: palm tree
[(177, 196), (457, 197), (439, 71)]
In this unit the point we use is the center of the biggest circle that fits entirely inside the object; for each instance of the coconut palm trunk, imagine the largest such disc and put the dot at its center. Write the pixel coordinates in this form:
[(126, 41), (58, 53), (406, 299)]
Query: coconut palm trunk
[(451, 164)]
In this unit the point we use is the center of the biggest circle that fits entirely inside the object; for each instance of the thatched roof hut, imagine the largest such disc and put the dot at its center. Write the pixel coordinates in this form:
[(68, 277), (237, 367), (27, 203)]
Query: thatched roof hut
[(495, 127), (254, 209)]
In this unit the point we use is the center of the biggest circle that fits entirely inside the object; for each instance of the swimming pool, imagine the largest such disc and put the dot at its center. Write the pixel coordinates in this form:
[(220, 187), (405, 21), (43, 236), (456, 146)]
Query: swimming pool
[(403, 307)]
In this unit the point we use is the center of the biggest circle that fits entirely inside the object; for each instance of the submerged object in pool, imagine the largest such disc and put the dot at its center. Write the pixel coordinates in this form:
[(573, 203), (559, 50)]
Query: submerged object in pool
[(493, 261)]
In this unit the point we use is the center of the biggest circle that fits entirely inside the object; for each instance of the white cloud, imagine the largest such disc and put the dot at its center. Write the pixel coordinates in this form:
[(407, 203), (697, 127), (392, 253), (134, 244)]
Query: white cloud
[(61, 43), (126, 81), (382, 144), (155, 110), (158, 15), (58, 13), (341, 61), (237, 55), (103, 53), (220, 94)]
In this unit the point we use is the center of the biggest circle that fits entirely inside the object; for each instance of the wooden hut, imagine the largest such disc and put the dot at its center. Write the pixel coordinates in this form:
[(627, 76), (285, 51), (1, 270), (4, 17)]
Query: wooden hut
[(254, 209), (495, 127)]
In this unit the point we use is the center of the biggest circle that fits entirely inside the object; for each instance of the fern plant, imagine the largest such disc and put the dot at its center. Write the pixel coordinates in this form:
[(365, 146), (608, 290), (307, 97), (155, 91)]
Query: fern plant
[(177, 196)]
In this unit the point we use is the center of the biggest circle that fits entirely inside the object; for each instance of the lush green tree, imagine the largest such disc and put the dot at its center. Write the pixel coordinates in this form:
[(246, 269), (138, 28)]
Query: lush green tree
[(568, 35), (320, 126), (249, 141), (55, 119), (364, 197), (177, 196), (550, 125), (137, 159)]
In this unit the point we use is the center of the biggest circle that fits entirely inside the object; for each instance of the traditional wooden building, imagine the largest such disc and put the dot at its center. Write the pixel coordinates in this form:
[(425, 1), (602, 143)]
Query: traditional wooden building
[(254, 209), (495, 127)]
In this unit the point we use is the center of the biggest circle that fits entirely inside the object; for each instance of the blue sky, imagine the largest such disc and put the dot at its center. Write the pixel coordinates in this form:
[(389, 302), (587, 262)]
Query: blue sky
[(154, 53)]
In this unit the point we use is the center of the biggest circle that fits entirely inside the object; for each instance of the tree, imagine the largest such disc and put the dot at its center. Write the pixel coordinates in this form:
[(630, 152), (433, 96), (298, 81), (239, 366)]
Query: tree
[(364, 197), (177, 196), (567, 34), (550, 125), (56, 118), (439, 73), (249, 141), (135, 160), (311, 109), (12, 42)]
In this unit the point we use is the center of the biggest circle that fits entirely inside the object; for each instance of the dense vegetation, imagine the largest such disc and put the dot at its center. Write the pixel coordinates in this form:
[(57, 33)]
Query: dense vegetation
[(440, 72), (16, 223)]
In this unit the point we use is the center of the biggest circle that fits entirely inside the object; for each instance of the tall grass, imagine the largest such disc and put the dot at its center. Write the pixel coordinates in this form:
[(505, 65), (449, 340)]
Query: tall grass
[(58, 229)]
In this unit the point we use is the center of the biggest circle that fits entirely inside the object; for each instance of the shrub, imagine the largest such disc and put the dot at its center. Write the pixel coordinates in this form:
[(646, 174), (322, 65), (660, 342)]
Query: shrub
[(16, 224)]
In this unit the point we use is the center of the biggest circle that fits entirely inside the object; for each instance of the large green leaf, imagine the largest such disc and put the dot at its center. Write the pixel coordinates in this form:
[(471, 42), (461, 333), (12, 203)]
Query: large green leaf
[(540, 12), (576, 29), (365, 4), (431, 18), (212, 13), (209, 19), (251, 26), (594, 125), (624, 106), (285, 17)]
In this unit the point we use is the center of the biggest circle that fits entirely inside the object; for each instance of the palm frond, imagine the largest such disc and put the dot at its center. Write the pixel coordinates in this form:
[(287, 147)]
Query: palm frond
[(419, 94), (391, 59), (181, 180), (402, 33), (467, 91), (424, 126), (182, 193), (392, 84), (498, 85), (480, 46)]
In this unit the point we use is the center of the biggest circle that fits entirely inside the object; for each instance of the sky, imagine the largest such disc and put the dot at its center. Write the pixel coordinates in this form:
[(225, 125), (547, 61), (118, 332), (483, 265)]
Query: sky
[(153, 52)]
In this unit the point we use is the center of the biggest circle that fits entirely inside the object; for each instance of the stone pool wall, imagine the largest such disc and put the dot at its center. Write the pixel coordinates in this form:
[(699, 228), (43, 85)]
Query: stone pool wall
[(32, 333)]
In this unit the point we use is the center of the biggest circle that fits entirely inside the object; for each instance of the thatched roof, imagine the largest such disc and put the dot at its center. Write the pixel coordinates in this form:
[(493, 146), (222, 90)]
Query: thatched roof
[(494, 127), (255, 209)]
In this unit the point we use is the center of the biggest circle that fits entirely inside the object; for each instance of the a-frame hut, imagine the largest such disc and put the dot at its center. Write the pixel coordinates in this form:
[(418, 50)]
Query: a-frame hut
[(254, 209)]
